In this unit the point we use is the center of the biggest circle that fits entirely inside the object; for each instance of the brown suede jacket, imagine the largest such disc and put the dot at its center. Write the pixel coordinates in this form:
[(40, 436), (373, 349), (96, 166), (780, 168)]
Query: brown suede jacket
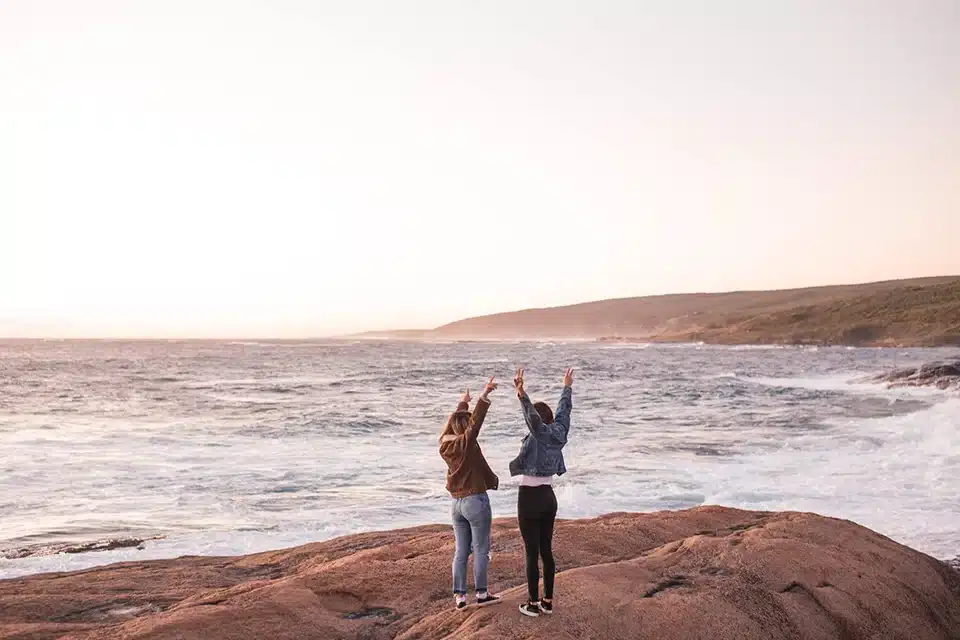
[(467, 470)]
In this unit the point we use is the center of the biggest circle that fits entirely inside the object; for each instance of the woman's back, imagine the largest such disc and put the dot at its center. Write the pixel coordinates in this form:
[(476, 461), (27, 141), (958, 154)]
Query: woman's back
[(468, 472)]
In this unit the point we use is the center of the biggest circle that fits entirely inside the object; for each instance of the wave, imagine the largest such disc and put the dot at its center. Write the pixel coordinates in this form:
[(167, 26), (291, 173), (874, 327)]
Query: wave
[(726, 375), (627, 346), (760, 347), (266, 384), (912, 462), (853, 383)]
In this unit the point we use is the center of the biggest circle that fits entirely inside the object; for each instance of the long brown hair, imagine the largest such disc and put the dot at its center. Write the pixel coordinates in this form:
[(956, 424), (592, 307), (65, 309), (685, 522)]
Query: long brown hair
[(456, 424), (546, 415)]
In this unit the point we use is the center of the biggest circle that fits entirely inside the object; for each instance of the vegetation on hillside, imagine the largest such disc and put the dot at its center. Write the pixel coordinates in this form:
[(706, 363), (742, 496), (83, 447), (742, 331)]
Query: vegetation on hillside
[(923, 312)]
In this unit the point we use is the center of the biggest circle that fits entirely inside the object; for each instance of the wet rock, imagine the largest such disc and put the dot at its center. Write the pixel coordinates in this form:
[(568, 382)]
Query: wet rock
[(75, 547), (942, 375), (708, 572)]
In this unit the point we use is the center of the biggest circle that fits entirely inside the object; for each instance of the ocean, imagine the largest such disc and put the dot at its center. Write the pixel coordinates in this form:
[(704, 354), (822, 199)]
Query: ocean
[(224, 448)]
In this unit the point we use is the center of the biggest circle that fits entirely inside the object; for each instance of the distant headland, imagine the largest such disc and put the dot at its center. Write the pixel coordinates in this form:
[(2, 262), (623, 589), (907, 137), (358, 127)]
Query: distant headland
[(921, 312)]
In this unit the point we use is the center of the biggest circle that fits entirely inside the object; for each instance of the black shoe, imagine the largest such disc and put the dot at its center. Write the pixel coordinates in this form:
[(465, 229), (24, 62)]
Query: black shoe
[(530, 609), (546, 607), (461, 605), (487, 600)]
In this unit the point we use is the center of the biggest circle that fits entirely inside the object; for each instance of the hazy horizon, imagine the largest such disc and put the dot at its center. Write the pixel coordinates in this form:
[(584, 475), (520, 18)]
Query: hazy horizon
[(203, 169), (388, 329)]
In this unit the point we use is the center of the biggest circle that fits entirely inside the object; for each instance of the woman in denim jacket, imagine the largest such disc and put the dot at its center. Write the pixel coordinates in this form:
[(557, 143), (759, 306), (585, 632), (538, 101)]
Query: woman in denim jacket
[(541, 458)]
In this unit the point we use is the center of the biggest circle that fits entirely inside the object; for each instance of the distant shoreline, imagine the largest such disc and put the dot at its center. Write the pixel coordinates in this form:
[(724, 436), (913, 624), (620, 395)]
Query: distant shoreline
[(614, 340), (914, 313), (434, 339)]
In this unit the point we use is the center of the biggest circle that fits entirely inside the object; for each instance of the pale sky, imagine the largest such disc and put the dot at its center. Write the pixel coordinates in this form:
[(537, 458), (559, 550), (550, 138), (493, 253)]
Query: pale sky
[(301, 168)]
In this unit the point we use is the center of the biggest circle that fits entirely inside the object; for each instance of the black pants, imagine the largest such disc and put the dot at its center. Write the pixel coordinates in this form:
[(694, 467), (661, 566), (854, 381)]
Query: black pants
[(537, 511)]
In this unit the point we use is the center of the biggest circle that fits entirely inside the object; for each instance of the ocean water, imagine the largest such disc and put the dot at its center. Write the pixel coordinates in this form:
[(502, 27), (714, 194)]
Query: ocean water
[(236, 447)]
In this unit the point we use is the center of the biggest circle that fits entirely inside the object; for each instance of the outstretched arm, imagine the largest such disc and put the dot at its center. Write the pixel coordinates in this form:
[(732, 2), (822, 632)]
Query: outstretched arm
[(480, 412), (530, 415), (564, 408), (566, 401)]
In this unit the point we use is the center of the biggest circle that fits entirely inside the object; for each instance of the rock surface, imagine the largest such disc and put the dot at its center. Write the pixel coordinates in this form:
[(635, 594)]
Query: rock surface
[(955, 563), (942, 375), (709, 572)]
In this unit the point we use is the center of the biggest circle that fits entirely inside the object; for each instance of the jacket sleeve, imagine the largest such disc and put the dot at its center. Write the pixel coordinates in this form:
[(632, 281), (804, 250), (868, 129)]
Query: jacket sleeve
[(530, 415), (564, 408), (476, 419)]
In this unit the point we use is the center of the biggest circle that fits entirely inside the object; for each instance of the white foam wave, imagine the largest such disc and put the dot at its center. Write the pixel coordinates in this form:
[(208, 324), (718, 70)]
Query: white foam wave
[(844, 382), (626, 346), (650, 433), (759, 347), (722, 376), (899, 475)]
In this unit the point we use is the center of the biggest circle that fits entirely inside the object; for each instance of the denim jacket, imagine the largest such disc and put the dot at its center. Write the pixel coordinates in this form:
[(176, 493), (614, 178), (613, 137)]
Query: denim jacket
[(541, 453)]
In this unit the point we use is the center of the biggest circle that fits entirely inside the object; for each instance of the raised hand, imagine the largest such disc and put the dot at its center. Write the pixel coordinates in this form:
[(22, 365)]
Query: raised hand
[(490, 388), (568, 378), (518, 382), (466, 396)]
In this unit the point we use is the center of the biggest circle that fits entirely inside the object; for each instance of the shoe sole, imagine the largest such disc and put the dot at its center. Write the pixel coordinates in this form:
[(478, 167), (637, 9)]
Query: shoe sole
[(489, 602), (548, 612), (529, 614)]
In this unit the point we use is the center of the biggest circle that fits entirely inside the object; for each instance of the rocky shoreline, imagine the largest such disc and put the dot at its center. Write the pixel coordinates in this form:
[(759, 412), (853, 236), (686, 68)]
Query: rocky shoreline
[(943, 375), (92, 546), (709, 572)]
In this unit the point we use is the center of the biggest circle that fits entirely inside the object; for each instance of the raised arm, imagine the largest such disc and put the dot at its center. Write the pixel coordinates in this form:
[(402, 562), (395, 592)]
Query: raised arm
[(480, 412), (566, 401), (464, 404), (530, 415)]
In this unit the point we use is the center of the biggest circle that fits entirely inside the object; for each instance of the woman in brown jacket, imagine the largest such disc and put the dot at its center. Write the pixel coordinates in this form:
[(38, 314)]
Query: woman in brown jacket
[(469, 477)]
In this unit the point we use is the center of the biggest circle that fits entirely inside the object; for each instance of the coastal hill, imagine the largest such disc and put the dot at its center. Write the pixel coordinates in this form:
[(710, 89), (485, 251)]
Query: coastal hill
[(709, 572), (920, 312)]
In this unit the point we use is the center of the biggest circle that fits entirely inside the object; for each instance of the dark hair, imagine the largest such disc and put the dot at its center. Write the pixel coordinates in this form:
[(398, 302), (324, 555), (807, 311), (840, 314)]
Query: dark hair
[(545, 413)]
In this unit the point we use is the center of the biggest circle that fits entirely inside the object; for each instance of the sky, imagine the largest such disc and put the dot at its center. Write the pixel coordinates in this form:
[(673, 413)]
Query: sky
[(220, 168)]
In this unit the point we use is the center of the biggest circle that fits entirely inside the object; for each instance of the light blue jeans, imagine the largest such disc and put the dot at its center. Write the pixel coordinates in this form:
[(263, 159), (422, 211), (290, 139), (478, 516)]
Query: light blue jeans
[(472, 518)]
